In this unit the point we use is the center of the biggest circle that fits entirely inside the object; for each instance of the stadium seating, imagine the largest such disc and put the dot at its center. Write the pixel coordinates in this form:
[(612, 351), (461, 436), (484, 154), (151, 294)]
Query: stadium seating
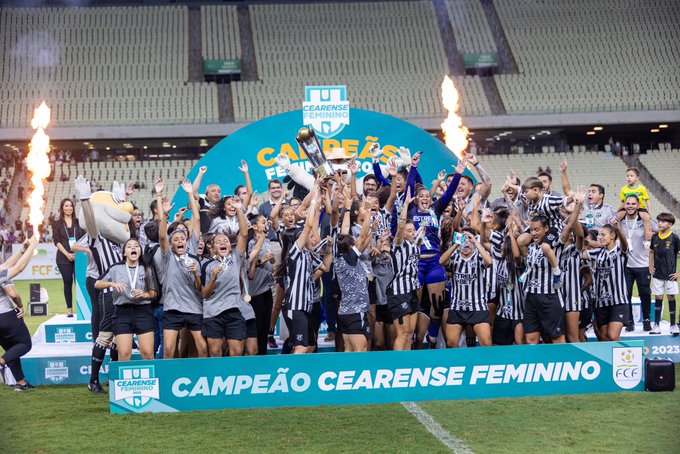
[(219, 33), (470, 27), (584, 56), (663, 165), (584, 168), (100, 66), (105, 173), (390, 56)]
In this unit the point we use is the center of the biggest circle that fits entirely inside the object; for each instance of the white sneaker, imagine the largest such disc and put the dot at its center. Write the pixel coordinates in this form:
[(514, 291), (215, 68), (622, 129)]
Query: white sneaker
[(675, 329), (656, 329)]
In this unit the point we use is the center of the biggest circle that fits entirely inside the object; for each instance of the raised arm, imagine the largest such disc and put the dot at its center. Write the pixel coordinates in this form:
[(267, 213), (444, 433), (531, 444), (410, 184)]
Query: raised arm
[(197, 181), (22, 261), (365, 236), (572, 219), (195, 209), (255, 254), (353, 169), (83, 192), (376, 153), (403, 217), (249, 184), (346, 216), (158, 186), (485, 189), (437, 182), (566, 186), (274, 215), (242, 241), (312, 220), (486, 257)]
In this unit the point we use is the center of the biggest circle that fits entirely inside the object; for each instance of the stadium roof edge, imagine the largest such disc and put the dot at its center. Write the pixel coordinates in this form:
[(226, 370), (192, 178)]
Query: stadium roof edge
[(432, 123)]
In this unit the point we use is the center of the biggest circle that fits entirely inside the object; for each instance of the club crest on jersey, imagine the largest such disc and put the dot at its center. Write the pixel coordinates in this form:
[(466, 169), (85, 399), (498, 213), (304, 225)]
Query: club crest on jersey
[(136, 386), (326, 109)]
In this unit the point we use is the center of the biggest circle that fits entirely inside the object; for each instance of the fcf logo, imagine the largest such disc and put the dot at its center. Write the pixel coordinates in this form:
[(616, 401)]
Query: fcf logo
[(627, 366), (326, 109)]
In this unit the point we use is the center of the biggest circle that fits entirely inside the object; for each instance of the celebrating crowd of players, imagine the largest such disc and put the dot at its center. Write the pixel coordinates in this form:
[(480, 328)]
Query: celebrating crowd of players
[(388, 262)]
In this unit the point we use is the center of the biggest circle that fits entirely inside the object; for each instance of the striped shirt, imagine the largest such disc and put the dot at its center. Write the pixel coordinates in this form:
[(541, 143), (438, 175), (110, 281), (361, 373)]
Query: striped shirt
[(539, 277), (610, 276), (469, 279), (106, 253), (570, 264), (510, 293), (405, 265), (549, 207), (299, 281)]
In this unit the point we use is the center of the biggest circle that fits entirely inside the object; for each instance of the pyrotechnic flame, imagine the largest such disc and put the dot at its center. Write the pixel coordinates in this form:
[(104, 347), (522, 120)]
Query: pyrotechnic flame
[(38, 164), (455, 134)]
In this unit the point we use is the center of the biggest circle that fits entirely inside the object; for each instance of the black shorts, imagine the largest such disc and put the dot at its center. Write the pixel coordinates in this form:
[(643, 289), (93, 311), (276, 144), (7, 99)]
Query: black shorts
[(176, 320), (354, 324), (251, 328), (229, 324), (314, 317), (543, 313), (586, 318), (610, 314), (466, 318), (400, 305), (382, 314), (372, 291), (106, 311), (299, 328), (132, 319), (504, 331)]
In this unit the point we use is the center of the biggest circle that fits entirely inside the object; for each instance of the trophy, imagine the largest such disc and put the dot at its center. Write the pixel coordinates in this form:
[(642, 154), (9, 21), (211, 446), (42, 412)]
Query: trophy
[(312, 148)]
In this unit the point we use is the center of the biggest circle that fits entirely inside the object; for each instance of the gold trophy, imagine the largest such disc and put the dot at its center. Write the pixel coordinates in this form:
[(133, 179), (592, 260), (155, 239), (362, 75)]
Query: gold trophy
[(312, 147)]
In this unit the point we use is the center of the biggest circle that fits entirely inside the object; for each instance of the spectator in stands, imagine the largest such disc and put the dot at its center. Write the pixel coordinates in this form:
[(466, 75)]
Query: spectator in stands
[(66, 231)]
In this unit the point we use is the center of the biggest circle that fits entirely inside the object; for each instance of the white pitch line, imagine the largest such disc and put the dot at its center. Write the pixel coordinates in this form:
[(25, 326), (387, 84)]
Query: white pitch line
[(451, 442)]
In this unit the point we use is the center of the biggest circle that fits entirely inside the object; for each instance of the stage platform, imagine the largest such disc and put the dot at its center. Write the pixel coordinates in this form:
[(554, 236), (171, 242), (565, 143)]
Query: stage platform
[(61, 352)]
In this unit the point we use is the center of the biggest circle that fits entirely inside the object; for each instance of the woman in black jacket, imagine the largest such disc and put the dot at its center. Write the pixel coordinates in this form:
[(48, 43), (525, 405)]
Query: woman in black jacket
[(65, 232)]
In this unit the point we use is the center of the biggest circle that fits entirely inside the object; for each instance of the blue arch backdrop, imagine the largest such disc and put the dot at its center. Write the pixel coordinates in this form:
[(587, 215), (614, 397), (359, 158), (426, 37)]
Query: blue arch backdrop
[(260, 142)]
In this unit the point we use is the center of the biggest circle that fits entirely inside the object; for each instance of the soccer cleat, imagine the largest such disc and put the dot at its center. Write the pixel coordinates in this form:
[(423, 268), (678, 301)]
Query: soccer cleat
[(557, 281), (675, 329), (23, 387), (647, 325), (330, 337), (272, 342), (656, 329), (96, 388), (630, 327)]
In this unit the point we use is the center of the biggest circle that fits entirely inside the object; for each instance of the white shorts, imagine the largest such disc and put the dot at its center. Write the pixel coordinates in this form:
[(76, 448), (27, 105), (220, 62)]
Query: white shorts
[(660, 287)]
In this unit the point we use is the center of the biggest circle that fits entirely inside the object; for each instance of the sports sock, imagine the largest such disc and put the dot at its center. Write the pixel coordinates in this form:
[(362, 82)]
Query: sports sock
[(471, 341), (658, 306), (98, 353), (433, 329), (671, 309), (114, 352), (271, 331)]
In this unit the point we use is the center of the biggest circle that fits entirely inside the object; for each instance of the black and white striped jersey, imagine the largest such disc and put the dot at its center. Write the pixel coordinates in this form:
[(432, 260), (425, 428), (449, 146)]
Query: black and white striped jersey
[(469, 278), (539, 277), (496, 240), (570, 264), (405, 265), (106, 253), (510, 291), (548, 207), (610, 276), (299, 281)]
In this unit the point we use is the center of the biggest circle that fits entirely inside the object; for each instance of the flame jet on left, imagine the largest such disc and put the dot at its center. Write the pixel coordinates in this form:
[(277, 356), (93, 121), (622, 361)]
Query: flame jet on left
[(38, 163)]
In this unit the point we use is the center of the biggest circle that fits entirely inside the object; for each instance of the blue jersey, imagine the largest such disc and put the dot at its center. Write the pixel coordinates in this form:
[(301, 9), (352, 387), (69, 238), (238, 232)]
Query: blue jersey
[(430, 218)]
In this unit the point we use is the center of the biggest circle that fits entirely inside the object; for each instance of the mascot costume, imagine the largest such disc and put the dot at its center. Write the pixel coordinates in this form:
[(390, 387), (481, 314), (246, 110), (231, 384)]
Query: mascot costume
[(105, 216)]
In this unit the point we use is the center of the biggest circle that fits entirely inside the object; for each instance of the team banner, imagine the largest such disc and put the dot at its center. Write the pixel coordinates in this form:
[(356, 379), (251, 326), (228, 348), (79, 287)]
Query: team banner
[(43, 264), (359, 378)]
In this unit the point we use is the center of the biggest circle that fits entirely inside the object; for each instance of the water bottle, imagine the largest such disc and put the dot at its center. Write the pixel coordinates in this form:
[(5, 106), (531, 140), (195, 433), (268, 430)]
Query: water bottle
[(590, 220)]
